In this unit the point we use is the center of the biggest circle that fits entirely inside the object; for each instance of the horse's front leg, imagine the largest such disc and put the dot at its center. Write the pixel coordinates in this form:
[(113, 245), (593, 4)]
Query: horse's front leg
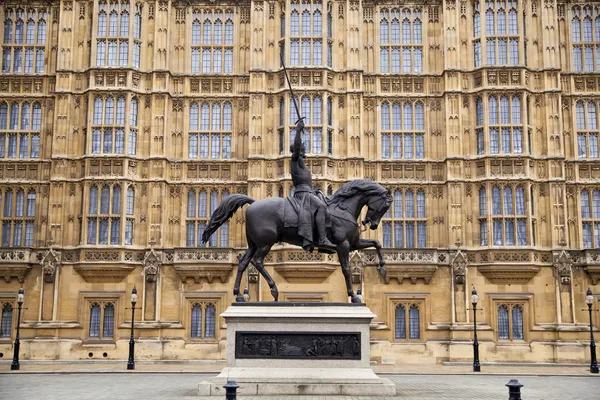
[(366, 243), (343, 252)]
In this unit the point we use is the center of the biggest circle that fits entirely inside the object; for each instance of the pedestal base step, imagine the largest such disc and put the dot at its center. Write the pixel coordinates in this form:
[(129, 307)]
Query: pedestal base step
[(322, 381)]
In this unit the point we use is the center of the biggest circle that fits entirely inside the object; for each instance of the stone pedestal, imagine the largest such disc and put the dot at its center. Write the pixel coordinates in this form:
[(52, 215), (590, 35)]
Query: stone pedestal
[(298, 349)]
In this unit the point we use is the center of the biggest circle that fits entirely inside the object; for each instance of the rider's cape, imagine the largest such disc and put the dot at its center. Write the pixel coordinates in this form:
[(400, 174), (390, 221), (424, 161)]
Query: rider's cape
[(298, 212)]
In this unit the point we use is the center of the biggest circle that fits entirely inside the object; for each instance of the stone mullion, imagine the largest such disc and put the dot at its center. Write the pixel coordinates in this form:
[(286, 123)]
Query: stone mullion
[(549, 37)]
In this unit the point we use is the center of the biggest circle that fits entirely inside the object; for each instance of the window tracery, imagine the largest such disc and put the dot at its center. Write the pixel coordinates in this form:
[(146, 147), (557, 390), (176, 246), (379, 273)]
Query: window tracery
[(507, 215), (201, 203), (18, 216), (405, 223), (105, 212), (402, 130), (24, 45), (212, 41), (210, 130), (401, 40), (20, 126)]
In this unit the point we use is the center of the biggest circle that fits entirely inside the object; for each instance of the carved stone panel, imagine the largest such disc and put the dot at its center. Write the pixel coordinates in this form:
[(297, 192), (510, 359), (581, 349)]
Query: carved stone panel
[(298, 345)]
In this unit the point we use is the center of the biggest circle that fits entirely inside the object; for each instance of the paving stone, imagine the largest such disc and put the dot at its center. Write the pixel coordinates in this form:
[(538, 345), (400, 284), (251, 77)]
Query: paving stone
[(158, 386)]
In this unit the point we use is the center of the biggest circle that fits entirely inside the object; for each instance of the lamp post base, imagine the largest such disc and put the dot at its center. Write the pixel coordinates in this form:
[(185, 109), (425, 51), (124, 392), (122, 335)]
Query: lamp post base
[(476, 368), (593, 369), (16, 367), (130, 366)]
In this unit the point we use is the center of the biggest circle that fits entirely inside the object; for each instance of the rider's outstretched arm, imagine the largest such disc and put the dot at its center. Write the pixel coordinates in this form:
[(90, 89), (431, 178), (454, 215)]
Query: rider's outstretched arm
[(298, 140)]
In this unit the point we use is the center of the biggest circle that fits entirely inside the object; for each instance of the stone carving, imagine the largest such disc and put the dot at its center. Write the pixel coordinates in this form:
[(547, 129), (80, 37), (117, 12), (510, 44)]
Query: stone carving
[(50, 261), (303, 345), (563, 265), (459, 267), (152, 262), (357, 267)]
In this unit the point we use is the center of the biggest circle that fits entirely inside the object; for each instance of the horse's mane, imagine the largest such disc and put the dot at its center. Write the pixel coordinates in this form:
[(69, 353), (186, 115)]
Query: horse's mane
[(355, 186)]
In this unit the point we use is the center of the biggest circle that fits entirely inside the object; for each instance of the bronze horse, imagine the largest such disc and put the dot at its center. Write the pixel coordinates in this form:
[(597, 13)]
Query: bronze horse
[(265, 227)]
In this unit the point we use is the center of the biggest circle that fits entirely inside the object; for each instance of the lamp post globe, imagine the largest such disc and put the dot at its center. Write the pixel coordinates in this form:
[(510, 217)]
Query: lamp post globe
[(589, 299), (15, 366), (131, 362), (474, 301)]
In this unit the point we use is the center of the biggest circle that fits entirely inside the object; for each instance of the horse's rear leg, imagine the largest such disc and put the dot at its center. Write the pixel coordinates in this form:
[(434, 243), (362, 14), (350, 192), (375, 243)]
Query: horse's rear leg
[(258, 262), (243, 264)]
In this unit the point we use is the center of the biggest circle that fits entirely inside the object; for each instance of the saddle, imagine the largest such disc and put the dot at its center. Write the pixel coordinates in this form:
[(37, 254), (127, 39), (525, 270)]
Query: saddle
[(291, 209)]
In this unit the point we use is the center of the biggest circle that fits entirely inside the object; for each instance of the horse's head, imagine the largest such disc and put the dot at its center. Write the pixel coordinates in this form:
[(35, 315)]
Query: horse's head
[(377, 206)]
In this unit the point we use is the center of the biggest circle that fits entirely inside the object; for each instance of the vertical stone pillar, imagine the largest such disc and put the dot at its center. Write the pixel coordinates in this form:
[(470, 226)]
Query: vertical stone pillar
[(50, 261), (563, 270), (152, 262), (459, 265)]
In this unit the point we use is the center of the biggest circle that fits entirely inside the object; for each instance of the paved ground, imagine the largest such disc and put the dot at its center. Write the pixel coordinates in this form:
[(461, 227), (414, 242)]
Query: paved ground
[(150, 386), (107, 366)]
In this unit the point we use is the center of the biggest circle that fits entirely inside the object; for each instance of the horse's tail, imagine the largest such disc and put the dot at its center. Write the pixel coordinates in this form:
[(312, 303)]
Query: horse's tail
[(225, 210)]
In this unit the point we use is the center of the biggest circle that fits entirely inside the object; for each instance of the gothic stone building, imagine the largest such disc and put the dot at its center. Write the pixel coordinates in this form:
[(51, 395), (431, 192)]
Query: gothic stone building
[(123, 124)]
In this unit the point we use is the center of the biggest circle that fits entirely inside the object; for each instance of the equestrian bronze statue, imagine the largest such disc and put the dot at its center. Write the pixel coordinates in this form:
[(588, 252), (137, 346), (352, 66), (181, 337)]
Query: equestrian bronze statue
[(266, 220), (306, 219)]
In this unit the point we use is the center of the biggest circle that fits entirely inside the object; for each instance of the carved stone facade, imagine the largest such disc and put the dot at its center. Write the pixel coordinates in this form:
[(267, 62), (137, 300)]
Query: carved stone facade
[(129, 126)]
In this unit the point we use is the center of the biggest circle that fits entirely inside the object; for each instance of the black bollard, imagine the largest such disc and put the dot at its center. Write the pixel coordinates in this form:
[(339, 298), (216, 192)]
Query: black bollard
[(231, 390), (514, 389)]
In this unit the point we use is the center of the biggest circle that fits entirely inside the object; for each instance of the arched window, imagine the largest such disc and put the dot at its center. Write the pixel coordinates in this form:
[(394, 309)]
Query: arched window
[(104, 200), (3, 116), (218, 30), (503, 322), (406, 227), (207, 37), (109, 111), (209, 327), (31, 203), (496, 201), (191, 206), (517, 322), (508, 201), (93, 208), (202, 203), (196, 327), (587, 130), (109, 320), (95, 320), (414, 324), (196, 32), (590, 218), (410, 56), (20, 203), (124, 29), (130, 201), (385, 116), (194, 117), (101, 24), (400, 320), (6, 324), (112, 25), (116, 200)]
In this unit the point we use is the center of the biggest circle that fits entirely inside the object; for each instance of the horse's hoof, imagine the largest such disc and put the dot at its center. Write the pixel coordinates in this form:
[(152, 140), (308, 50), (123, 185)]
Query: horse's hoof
[(239, 298), (356, 299), (275, 293), (383, 273)]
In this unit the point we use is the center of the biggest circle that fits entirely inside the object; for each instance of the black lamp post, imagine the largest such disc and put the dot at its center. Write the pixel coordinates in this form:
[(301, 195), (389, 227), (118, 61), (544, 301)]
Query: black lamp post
[(130, 362), (15, 362), (474, 300), (589, 299)]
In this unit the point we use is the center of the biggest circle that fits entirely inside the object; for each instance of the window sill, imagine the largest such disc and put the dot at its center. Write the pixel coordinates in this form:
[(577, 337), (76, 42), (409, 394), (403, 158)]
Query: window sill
[(408, 341), (89, 343), (505, 342), (202, 341)]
